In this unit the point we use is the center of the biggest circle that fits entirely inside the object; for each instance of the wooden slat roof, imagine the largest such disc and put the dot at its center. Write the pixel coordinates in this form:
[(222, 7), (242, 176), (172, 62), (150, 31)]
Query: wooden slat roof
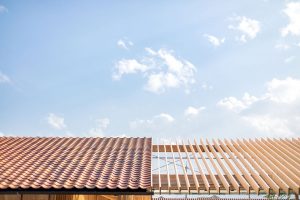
[(228, 166), (208, 198)]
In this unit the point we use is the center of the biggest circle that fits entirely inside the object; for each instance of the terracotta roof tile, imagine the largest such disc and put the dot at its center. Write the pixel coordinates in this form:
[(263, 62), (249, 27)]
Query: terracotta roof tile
[(103, 163)]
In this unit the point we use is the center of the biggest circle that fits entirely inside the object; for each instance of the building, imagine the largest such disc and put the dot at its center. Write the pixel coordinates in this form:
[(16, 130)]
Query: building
[(41, 168)]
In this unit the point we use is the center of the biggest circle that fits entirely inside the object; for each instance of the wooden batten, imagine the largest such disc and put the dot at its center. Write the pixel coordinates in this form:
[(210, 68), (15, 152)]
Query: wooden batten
[(251, 171), (265, 167), (159, 178), (289, 169), (280, 171), (204, 179), (285, 149), (167, 168), (288, 147), (221, 176), (176, 171), (212, 176), (228, 174), (192, 169), (184, 169), (248, 180), (282, 153)]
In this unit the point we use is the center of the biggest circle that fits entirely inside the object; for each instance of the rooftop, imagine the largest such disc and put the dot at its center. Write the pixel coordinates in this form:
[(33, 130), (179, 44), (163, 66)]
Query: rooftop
[(249, 166)]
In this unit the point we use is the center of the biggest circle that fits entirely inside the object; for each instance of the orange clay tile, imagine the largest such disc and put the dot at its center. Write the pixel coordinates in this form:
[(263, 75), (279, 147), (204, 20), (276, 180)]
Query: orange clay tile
[(103, 163)]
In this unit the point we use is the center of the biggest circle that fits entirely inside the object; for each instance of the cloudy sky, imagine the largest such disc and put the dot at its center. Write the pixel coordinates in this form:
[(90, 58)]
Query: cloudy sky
[(173, 69)]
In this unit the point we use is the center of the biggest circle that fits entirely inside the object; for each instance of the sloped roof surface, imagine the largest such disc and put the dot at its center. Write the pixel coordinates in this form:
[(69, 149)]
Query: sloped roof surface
[(103, 163)]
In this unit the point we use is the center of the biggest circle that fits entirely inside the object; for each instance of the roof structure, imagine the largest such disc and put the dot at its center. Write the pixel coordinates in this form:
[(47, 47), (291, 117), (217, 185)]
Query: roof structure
[(75, 163), (227, 166), (270, 166)]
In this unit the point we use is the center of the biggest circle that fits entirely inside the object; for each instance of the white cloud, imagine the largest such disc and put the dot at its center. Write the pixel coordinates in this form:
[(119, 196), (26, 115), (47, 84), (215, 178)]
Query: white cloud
[(248, 27), (4, 78), (269, 124), (150, 51), (292, 10), (130, 66), (176, 72), (214, 40), (206, 86), (124, 43), (281, 46), (283, 91), (193, 111), (233, 104), (171, 141), (3, 9), (165, 117), (274, 113), (1, 134), (161, 68), (182, 68), (278, 91), (289, 59), (102, 125), (159, 82), (56, 121), (156, 122)]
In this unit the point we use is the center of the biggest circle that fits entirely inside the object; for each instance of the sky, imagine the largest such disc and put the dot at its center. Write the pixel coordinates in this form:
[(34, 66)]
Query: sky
[(170, 70)]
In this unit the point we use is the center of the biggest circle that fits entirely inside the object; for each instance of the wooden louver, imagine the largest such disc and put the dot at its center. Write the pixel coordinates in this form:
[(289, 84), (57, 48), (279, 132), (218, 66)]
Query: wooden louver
[(228, 166)]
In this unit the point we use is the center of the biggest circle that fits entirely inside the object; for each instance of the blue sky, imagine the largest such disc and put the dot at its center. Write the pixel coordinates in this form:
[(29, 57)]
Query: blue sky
[(172, 69)]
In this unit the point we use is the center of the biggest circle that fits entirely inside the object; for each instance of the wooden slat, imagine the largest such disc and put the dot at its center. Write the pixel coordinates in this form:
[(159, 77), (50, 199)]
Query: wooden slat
[(280, 161), (289, 147), (268, 166), (184, 169), (192, 169), (207, 186), (212, 176), (176, 172), (281, 153), (174, 146), (261, 168), (280, 169), (284, 149), (246, 174), (151, 169), (159, 178), (182, 180), (228, 174), (294, 145), (167, 167), (221, 176), (253, 173), (233, 169), (297, 141)]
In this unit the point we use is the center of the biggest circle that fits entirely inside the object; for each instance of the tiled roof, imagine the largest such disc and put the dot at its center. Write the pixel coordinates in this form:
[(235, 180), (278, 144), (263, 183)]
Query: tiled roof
[(75, 163)]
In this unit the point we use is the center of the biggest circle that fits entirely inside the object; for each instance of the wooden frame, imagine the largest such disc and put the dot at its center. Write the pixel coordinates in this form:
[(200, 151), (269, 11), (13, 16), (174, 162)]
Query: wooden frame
[(223, 166)]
